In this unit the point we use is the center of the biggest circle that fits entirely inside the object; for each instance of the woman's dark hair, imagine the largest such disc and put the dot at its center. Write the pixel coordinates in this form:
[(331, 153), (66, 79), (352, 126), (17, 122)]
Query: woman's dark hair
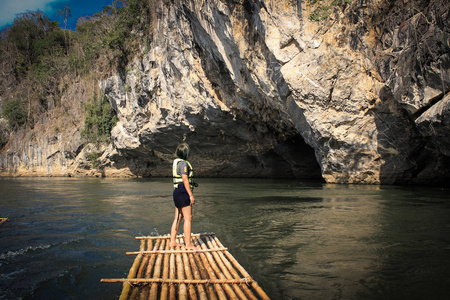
[(182, 151)]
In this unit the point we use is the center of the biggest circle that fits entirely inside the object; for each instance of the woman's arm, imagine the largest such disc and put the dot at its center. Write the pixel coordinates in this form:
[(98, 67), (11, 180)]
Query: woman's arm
[(188, 188)]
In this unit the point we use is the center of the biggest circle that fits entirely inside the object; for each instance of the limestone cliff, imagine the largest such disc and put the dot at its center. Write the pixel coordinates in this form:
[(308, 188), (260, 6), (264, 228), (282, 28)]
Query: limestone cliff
[(351, 91)]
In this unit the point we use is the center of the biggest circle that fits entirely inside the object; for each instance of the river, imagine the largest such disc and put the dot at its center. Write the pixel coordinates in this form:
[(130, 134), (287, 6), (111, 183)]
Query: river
[(298, 239)]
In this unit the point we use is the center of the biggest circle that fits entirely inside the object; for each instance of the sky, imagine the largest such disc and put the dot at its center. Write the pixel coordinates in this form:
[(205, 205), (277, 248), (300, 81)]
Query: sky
[(79, 8)]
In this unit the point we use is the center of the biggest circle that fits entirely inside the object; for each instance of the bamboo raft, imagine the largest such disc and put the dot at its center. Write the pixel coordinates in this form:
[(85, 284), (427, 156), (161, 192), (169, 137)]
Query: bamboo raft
[(3, 220), (208, 273)]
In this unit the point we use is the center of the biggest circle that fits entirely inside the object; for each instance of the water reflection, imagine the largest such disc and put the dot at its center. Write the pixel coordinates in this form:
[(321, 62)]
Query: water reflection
[(303, 242), (331, 241)]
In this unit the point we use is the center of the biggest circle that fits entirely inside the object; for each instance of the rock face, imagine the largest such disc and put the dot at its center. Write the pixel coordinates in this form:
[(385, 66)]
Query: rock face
[(274, 89), (206, 80)]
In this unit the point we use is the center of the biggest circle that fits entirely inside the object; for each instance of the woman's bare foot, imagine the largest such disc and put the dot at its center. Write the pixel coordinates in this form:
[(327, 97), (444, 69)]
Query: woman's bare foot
[(173, 245), (192, 247)]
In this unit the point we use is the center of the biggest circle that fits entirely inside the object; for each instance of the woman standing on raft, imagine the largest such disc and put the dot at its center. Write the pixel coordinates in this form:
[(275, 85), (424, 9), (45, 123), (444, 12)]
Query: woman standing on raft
[(182, 196)]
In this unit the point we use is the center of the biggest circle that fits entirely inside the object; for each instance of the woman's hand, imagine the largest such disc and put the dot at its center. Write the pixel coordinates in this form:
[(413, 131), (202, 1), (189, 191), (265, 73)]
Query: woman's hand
[(188, 188)]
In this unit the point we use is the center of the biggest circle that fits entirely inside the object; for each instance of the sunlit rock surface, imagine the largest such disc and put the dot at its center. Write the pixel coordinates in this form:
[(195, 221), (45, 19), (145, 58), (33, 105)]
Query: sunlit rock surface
[(258, 89), (265, 89)]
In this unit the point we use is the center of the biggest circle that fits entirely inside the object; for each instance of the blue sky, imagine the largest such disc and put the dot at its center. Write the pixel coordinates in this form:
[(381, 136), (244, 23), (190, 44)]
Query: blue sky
[(79, 8)]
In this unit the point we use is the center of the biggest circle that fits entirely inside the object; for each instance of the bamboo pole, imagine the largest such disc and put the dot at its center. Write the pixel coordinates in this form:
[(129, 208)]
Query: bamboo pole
[(178, 236), (217, 270), (209, 273), (204, 274), (148, 270), (224, 269), (172, 275), (151, 262), (254, 284), (196, 275), (132, 274), (189, 276), (176, 251), (140, 274), (228, 289), (232, 270), (212, 275), (165, 286), (145, 260), (157, 273), (182, 290), (178, 281)]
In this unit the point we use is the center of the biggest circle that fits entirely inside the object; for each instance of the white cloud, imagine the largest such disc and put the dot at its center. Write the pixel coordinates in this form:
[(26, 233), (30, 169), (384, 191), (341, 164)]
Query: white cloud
[(9, 8)]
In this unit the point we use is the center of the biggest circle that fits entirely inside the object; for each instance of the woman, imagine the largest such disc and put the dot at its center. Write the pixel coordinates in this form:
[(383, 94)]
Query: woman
[(182, 196)]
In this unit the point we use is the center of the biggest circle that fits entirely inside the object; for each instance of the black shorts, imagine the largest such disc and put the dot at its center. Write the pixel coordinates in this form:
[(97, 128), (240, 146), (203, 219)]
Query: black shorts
[(181, 196)]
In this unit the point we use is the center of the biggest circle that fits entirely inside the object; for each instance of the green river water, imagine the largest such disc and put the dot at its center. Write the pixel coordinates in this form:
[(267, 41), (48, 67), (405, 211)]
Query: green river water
[(298, 239)]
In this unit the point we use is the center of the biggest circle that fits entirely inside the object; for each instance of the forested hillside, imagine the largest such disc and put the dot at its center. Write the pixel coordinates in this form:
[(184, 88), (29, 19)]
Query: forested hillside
[(42, 64), (39, 60)]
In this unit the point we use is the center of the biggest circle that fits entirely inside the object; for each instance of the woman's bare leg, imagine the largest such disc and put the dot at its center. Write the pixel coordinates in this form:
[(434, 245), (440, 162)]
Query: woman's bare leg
[(175, 227), (187, 214)]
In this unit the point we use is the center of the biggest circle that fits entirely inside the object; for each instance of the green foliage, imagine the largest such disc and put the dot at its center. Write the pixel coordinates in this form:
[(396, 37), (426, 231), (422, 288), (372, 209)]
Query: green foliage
[(14, 112), (31, 37), (131, 16), (108, 36), (340, 2), (37, 58), (88, 47), (322, 12), (93, 158), (4, 134), (30, 57), (51, 44), (100, 120)]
